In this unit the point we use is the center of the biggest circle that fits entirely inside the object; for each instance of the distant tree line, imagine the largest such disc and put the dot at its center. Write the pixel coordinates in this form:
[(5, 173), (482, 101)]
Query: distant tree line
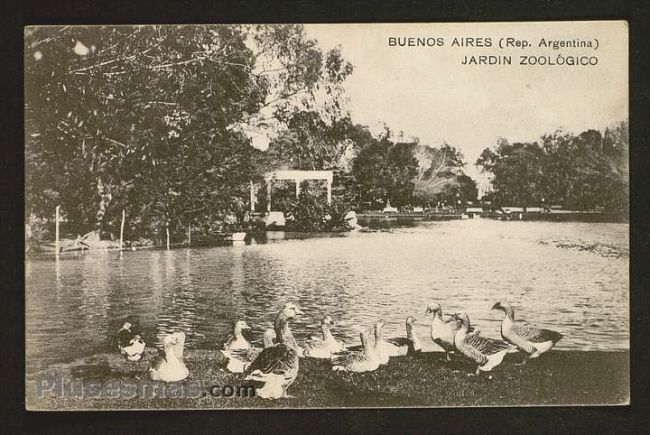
[(581, 171)]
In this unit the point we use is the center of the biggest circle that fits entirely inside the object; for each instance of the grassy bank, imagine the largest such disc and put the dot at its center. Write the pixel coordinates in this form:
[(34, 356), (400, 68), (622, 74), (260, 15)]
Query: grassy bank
[(559, 377)]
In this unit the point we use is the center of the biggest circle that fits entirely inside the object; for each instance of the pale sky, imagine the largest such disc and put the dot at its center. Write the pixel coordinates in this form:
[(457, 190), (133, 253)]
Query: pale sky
[(426, 92)]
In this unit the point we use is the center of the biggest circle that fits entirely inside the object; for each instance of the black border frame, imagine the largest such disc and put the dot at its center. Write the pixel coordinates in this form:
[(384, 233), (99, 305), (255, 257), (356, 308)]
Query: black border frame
[(628, 419)]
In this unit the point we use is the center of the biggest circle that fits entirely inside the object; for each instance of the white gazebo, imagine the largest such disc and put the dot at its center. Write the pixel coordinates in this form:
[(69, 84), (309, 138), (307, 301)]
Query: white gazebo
[(296, 176)]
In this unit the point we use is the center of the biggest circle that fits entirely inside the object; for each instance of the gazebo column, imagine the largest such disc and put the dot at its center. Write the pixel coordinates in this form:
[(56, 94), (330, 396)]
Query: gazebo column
[(268, 196), (253, 198), (297, 188), (329, 191)]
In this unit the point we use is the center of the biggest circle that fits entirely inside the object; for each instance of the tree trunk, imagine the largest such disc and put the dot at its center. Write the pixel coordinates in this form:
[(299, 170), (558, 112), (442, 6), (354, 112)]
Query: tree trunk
[(167, 233), (122, 229), (57, 219), (105, 198)]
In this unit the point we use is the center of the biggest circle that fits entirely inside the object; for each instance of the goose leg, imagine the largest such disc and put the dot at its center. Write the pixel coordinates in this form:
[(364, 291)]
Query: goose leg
[(284, 393), (524, 361)]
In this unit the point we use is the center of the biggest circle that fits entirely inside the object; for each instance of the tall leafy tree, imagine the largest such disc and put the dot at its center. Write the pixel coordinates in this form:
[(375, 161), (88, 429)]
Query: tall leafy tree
[(155, 118), (441, 177)]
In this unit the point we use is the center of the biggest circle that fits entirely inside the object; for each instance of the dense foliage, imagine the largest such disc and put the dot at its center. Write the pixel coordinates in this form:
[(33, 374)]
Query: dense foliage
[(584, 171), (409, 173), (310, 212), (157, 120)]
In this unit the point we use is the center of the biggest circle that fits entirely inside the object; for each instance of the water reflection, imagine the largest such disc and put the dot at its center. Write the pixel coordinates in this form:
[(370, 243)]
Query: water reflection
[(76, 303)]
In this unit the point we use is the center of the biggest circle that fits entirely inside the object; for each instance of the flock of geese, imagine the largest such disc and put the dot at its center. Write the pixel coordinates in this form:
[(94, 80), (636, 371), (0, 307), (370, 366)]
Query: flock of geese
[(276, 364)]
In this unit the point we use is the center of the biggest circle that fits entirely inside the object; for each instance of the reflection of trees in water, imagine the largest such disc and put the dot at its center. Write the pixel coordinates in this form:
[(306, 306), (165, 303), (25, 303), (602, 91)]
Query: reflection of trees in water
[(96, 277), (179, 312), (227, 295), (277, 276)]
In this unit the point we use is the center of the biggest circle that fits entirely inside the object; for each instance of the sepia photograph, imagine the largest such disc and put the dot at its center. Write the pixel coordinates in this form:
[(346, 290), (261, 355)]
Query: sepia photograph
[(395, 215)]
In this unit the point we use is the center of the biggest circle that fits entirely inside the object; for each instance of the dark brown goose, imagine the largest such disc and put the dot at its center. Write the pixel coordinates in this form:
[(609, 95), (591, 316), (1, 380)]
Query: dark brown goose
[(277, 366)]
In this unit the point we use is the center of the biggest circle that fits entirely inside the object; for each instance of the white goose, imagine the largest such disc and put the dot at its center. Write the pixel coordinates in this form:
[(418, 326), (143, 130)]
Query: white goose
[(130, 343), (485, 352), (442, 331), (169, 368), (532, 340), (383, 349), (179, 344), (277, 366), (240, 360), (237, 341), (327, 345), (399, 346), (365, 360)]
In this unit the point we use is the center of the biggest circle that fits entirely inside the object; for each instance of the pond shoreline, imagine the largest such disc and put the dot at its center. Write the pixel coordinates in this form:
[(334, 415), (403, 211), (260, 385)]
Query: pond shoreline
[(419, 380)]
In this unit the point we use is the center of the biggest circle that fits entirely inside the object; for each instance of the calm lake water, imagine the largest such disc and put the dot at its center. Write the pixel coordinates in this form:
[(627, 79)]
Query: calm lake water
[(571, 277)]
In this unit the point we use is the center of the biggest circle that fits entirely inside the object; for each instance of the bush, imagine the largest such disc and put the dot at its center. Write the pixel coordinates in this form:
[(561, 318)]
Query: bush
[(312, 213)]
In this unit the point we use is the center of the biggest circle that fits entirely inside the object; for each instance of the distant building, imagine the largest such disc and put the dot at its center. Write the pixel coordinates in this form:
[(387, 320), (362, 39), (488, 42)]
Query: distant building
[(389, 208), (513, 212), (474, 212), (509, 210)]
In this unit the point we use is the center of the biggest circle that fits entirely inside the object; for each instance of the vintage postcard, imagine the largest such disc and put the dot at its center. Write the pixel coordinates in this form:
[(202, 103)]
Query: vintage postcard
[(326, 215)]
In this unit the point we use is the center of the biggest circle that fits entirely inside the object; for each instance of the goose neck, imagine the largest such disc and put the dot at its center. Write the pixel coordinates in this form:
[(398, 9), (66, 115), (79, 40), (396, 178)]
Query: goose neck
[(267, 341), (282, 331), (460, 335), (412, 337), (327, 333), (238, 334)]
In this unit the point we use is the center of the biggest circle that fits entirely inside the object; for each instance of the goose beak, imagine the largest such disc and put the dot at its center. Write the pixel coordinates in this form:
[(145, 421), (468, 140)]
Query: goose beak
[(496, 306), (245, 326), (299, 311)]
